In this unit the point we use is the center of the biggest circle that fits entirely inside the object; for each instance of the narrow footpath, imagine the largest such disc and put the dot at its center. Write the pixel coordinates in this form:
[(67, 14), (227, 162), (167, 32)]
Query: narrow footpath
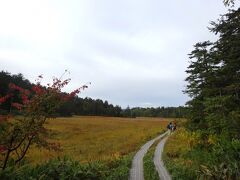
[(162, 171), (136, 172)]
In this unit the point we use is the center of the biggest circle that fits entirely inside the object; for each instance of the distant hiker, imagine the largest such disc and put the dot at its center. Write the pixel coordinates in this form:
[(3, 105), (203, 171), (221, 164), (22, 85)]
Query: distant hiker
[(174, 126), (170, 126)]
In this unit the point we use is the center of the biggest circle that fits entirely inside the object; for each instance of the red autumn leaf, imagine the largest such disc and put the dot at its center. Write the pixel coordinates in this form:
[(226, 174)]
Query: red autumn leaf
[(17, 106), (4, 98), (38, 90), (24, 99), (2, 148)]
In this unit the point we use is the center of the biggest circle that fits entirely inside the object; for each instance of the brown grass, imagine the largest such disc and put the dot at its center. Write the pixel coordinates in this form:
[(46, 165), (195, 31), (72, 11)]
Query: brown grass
[(97, 138)]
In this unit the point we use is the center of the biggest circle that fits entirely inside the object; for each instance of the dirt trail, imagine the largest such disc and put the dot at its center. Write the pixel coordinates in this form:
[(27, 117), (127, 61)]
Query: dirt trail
[(136, 172), (162, 171)]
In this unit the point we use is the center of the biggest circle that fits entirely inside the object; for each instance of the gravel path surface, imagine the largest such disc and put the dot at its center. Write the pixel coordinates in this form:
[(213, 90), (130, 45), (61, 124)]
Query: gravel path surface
[(162, 171), (136, 172)]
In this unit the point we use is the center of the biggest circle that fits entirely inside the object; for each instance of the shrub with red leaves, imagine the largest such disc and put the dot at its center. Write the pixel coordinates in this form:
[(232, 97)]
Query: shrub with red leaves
[(36, 106)]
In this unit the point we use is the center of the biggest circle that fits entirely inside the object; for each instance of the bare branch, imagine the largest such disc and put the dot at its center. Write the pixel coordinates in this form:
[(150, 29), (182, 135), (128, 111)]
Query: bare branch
[(25, 151)]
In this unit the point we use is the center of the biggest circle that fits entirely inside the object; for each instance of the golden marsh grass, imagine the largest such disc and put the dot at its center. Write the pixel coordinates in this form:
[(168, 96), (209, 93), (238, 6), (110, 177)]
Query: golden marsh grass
[(87, 138)]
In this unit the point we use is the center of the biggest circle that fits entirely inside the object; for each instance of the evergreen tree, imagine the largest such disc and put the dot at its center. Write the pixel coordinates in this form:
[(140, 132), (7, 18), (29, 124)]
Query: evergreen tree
[(214, 79)]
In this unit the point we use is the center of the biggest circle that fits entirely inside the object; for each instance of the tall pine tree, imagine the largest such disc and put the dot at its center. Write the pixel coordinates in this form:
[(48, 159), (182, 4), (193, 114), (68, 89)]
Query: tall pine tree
[(214, 79)]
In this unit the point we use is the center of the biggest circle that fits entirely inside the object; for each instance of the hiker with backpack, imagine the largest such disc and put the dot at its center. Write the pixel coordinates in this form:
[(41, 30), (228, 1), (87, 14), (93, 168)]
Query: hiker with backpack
[(171, 126)]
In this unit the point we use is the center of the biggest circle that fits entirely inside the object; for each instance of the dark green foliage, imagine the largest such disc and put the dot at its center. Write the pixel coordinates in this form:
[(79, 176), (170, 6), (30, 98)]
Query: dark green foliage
[(165, 112), (221, 161), (214, 85), (88, 106), (218, 160), (55, 169), (179, 172), (214, 79), (119, 169), (69, 169)]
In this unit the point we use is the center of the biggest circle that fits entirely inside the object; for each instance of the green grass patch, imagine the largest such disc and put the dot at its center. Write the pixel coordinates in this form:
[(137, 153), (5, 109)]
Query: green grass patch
[(150, 172), (175, 156)]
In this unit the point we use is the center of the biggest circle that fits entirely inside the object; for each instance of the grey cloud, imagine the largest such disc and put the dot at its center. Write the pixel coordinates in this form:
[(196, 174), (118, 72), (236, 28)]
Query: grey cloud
[(134, 52)]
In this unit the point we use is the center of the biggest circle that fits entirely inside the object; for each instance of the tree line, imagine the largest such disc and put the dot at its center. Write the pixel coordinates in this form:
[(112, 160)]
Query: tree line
[(86, 106)]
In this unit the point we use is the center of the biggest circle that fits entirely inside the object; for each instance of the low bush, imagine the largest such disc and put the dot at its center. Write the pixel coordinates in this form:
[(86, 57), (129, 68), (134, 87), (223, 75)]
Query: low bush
[(69, 169), (175, 153), (195, 155)]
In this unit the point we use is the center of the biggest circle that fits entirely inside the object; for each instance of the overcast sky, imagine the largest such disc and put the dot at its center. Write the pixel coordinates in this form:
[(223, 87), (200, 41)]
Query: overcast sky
[(133, 51)]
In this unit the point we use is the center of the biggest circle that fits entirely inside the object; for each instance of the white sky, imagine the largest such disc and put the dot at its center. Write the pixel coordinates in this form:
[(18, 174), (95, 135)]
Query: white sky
[(133, 51)]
